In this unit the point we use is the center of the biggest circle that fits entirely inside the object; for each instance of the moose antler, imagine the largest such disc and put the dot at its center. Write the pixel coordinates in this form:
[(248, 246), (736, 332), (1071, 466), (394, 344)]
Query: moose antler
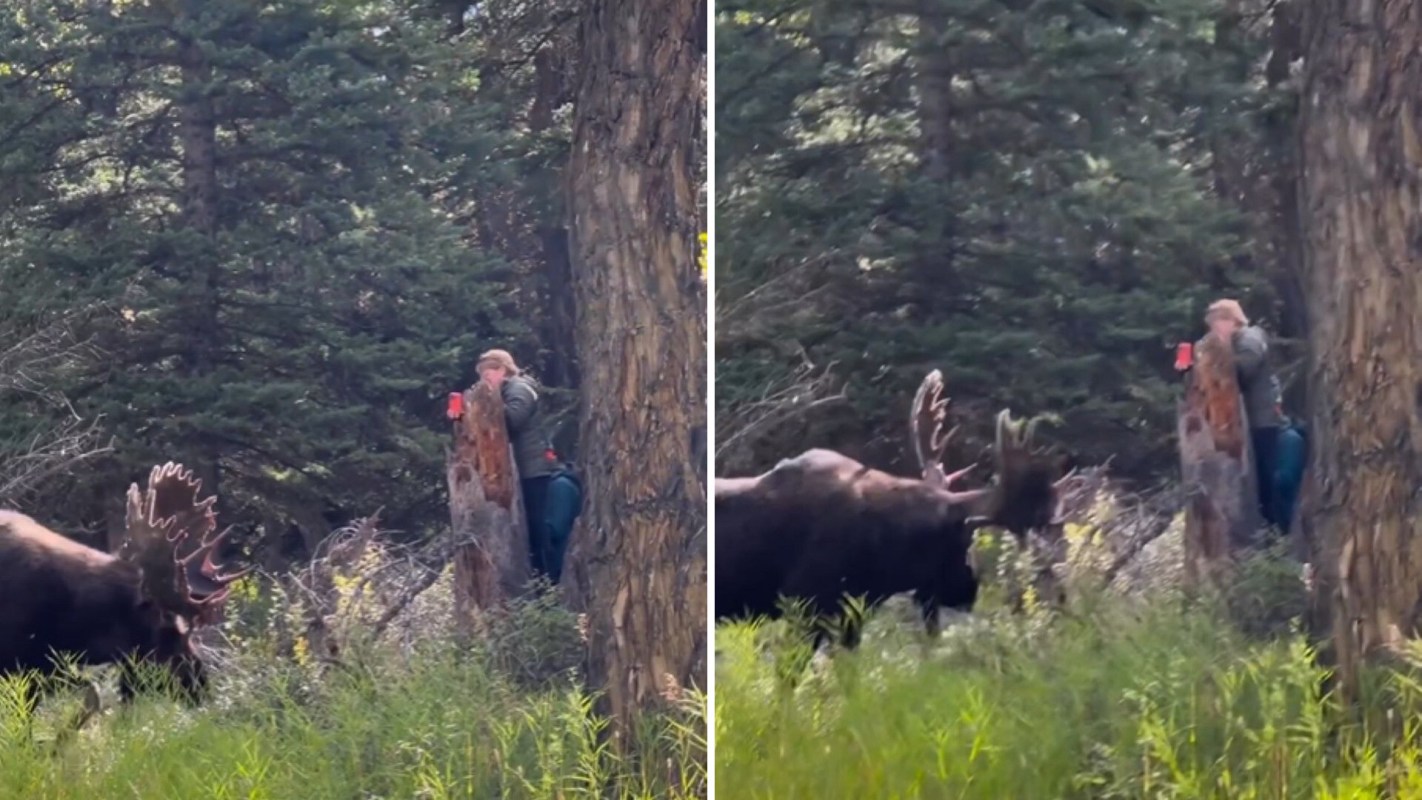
[(162, 522), (1016, 450), (1014, 442), (926, 420), (1017, 460)]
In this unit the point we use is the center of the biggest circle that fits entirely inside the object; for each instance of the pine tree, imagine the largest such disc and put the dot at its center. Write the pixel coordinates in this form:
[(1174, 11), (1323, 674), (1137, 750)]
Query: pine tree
[(1021, 195), (259, 196)]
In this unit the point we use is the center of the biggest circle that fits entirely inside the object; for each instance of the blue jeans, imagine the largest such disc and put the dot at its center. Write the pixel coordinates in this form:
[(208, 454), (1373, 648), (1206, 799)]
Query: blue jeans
[(535, 506), (553, 503), (565, 502), (1291, 459), (1266, 446)]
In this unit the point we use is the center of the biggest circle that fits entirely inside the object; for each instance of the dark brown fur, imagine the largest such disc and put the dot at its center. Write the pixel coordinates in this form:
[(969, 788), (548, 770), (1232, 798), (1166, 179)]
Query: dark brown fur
[(822, 526), (59, 595)]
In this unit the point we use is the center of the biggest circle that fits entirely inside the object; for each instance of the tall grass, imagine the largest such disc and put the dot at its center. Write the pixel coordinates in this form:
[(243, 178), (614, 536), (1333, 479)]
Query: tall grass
[(1118, 700), (441, 721)]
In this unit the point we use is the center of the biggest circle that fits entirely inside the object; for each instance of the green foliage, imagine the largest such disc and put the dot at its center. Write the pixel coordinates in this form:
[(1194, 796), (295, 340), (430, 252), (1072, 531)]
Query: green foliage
[(440, 721), (1024, 195), (287, 307), (1127, 700), (443, 729), (1264, 597), (538, 643)]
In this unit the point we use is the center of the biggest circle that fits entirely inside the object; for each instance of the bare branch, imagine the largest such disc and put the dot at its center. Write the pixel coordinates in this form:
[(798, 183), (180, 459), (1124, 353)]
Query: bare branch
[(33, 365), (46, 454), (359, 584), (29, 364), (780, 402)]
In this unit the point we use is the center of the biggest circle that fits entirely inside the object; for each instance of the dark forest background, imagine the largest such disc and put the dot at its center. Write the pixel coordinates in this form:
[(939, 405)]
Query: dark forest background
[(268, 238), (1039, 198)]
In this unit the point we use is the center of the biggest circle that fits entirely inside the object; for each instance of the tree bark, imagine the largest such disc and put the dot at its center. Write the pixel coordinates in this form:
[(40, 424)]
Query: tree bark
[(641, 313), (491, 563), (1362, 177), (551, 69), (197, 127), (934, 70), (559, 314), (1222, 511), (1280, 127)]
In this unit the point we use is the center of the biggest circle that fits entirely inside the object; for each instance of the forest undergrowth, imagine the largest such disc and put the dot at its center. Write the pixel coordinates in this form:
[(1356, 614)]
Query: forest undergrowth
[(420, 713), (1124, 695)]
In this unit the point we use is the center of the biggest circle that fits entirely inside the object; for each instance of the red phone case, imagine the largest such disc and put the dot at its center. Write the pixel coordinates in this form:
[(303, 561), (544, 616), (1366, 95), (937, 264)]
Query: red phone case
[(1184, 355)]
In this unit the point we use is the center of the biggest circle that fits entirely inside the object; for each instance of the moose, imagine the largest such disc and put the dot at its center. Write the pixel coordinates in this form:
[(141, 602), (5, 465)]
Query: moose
[(143, 604), (822, 525)]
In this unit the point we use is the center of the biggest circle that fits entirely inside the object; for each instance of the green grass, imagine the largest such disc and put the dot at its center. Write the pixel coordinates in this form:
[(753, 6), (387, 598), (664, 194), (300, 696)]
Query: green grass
[(1119, 700), (446, 721)]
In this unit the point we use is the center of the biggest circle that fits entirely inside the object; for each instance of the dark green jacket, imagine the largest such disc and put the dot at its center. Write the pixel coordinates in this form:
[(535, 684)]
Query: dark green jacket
[(1256, 377), (532, 449)]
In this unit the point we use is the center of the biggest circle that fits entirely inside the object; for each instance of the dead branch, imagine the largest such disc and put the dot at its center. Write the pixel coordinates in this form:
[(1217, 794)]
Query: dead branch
[(32, 365), (358, 584), (780, 402)]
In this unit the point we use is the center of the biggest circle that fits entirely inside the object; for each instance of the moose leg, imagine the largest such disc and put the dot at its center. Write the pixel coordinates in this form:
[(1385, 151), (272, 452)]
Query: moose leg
[(807, 634), (851, 631), (825, 621), (845, 616), (958, 591), (128, 683), (928, 609), (136, 677)]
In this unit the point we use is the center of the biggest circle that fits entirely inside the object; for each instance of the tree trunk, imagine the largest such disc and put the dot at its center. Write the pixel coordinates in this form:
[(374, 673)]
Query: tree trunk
[(641, 311), (197, 127), (1362, 168), (559, 314), (552, 81), (1228, 159), (934, 70), (491, 563), (1280, 126), (1217, 470)]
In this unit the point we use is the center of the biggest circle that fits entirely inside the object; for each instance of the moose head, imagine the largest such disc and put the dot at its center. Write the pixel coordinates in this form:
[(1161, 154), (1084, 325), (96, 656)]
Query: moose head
[(168, 552), (1029, 488)]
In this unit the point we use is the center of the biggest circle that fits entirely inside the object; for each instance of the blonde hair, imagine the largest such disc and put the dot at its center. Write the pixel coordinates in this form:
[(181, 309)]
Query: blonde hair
[(497, 358), (1229, 309)]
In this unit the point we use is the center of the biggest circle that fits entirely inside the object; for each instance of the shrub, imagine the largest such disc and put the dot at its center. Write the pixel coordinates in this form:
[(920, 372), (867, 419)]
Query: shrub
[(1123, 698), (415, 714)]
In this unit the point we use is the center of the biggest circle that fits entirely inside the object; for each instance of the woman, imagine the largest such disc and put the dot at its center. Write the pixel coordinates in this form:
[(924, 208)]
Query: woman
[(1256, 382), (532, 449)]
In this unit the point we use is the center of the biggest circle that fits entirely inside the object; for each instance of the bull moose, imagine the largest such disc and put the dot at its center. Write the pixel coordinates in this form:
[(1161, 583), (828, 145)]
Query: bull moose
[(821, 525), (142, 604)]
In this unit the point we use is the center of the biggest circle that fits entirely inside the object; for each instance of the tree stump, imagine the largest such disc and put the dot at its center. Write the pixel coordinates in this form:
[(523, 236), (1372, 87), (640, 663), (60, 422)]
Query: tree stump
[(1217, 469), (491, 561)]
